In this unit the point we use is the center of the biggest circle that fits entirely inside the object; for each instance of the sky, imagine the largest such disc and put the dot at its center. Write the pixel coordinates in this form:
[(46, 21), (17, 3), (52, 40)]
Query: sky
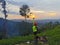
[(42, 9)]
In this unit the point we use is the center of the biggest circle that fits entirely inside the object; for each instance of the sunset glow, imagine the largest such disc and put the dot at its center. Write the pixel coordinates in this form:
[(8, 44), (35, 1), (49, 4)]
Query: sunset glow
[(42, 9), (52, 13)]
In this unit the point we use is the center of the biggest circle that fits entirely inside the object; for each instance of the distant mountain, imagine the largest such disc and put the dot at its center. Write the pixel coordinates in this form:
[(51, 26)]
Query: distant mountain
[(38, 21), (48, 20), (12, 29), (15, 28)]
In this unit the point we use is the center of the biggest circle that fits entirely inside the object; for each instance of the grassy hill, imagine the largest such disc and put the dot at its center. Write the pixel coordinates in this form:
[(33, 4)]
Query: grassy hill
[(53, 37)]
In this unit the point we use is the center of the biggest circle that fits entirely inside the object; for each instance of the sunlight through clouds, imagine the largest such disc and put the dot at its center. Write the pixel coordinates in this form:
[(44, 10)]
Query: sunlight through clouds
[(35, 11), (40, 8)]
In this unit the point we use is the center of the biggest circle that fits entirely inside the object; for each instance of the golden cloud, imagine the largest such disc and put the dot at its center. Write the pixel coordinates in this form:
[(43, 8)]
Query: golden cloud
[(51, 13)]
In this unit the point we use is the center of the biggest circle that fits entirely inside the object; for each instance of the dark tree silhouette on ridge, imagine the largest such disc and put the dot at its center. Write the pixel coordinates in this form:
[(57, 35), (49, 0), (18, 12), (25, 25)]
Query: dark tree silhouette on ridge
[(24, 10)]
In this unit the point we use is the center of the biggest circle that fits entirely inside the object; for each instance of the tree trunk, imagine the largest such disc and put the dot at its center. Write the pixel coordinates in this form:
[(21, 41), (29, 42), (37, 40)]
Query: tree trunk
[(5, 31), (25, 18)]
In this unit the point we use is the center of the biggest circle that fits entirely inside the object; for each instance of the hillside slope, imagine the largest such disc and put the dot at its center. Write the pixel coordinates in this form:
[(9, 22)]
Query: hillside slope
[(53, 36)]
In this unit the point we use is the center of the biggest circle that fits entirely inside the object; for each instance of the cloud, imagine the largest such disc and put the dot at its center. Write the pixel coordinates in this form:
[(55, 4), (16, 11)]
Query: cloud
[(45, 14), (42, 8), (38, 4)]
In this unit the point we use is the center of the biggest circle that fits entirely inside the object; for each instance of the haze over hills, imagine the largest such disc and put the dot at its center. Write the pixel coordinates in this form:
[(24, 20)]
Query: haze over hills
[(38, 21), (13, 26)]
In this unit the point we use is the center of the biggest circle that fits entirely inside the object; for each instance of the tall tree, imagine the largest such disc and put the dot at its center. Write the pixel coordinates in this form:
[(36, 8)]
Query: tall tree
[(5, 13), (24, 10)]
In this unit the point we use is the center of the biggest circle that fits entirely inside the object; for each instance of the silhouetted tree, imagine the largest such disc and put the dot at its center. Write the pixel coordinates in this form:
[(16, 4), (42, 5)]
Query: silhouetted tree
[(4, 11), (24, 10)]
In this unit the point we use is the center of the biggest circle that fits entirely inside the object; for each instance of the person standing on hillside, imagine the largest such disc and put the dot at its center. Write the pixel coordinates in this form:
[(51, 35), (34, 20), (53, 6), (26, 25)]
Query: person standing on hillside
[(35, 29)]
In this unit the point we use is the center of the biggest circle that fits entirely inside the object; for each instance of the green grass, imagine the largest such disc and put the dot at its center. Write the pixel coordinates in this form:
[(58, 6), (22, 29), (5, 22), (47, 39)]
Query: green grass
[(53, 37), (14, 40)]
